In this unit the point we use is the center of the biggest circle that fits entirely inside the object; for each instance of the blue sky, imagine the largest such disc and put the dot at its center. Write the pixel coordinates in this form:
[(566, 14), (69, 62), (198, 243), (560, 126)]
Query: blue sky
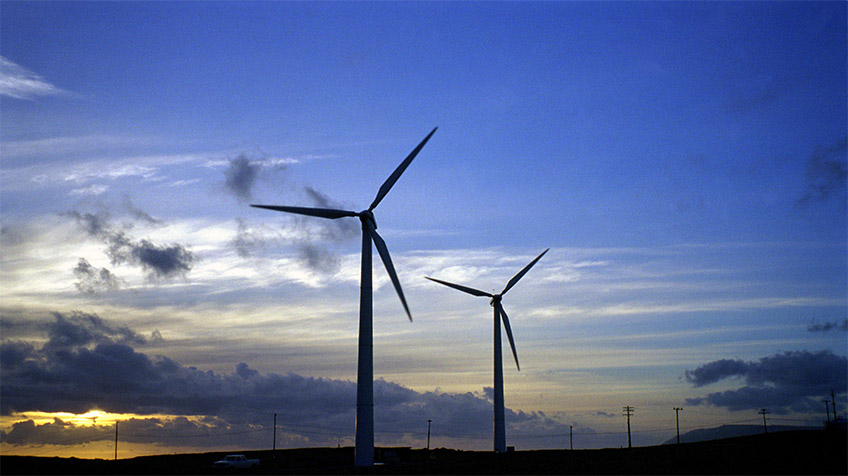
[(685, 163)]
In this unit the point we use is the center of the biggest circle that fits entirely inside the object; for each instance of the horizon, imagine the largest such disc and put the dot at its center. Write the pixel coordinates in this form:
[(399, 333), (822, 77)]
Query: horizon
[(685, 163)]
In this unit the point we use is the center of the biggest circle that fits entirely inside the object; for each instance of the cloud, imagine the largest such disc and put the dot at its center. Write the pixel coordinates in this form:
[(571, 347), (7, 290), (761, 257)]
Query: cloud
[(826, 172), (782, 382), (20, 83), (247, 241), (829, 326), (88, 364), (309, 235), (158, 261), (715, 371), (241, 175), (90, 190), (78, 329), (56, 432), (311, 252), (91, 280), (138, 213)]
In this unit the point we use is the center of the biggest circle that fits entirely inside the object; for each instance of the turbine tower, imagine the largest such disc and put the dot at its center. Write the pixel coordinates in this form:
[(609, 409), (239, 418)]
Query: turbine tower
[(500, 314), (364, 452)]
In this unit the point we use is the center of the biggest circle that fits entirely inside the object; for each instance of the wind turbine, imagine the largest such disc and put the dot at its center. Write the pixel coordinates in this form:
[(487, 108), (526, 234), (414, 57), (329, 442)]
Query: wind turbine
[(500, 314), (364, 452)]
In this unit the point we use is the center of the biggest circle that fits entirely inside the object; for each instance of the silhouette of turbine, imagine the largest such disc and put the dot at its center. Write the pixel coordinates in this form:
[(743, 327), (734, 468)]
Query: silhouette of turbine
[(364, 452), (500, 315)]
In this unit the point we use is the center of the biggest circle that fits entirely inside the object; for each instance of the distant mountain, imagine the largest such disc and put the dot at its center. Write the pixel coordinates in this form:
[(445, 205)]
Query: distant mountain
[(731, 431)]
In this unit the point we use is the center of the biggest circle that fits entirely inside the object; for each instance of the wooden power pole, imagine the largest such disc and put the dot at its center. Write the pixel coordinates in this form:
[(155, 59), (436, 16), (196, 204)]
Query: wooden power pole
[(764, 412), (628, 410), (677, 420)]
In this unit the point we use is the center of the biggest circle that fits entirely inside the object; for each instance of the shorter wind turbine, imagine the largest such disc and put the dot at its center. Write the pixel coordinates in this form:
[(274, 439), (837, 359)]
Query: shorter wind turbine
[(500, 314)]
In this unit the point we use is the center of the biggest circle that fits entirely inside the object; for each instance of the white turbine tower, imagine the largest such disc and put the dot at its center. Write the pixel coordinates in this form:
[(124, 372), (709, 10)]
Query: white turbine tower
[(364, 452), (500, 314)]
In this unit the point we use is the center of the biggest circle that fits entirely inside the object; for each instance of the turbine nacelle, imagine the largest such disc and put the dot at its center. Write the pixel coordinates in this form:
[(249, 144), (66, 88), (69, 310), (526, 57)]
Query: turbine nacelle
[(367, 216), (496, 299)]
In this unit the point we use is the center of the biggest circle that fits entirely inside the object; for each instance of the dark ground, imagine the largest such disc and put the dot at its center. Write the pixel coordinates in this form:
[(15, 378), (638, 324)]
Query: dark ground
[(790, 452)]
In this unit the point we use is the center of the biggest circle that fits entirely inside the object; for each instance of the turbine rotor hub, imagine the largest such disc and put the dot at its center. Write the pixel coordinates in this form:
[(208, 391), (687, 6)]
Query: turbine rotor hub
[(495, 299), (367, 215)]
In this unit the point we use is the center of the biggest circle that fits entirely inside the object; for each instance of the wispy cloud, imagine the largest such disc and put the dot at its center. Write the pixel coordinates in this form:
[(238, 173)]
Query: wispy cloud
[(827, 170), (20, 83), (829, 326), (90, 190)]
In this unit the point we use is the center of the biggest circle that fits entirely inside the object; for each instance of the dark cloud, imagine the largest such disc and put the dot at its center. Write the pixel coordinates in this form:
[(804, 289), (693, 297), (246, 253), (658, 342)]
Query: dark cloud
[(56, 432), (829, 326), (91, 280), (241, 175), (79, 329), (158, 261), (87, 364), (162, 261), (782, 382), (826, 172), (715, 371)]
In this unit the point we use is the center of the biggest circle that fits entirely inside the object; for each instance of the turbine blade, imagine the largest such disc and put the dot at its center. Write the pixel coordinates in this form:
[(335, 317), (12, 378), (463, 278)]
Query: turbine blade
[(509, 334), (389, 183), (313, 212), (387, 262), (521, 273), (465, 289)]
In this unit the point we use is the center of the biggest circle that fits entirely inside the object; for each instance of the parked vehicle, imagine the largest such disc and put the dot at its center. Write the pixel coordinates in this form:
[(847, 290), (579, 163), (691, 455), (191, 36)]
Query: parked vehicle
[(235, 462)]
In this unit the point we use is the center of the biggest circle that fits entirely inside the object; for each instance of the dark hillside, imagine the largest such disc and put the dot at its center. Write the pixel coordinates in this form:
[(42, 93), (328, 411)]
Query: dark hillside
[(730, 431), (789, 452)]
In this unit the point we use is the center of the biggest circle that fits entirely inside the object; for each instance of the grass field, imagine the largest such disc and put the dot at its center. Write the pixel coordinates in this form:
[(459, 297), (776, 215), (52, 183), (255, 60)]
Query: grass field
[(790, 452)]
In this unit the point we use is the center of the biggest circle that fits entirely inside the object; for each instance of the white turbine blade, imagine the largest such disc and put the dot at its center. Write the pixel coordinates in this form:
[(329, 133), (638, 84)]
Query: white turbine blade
[(387, 262), (509, 335), (464, 289), (521, 273), (313, 212), (389, 183)]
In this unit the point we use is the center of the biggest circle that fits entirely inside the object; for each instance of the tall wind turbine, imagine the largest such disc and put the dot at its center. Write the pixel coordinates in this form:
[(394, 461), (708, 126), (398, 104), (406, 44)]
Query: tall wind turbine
[(500, 314), (364, 453)]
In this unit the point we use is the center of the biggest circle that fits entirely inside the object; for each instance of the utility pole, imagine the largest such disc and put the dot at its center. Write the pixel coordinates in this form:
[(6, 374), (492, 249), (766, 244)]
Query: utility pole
[(833, 404), (274, 448), (428, 434), (764, 412), (677, 420), (116, 440), (628, 410), (827, 409), (571, 436)]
